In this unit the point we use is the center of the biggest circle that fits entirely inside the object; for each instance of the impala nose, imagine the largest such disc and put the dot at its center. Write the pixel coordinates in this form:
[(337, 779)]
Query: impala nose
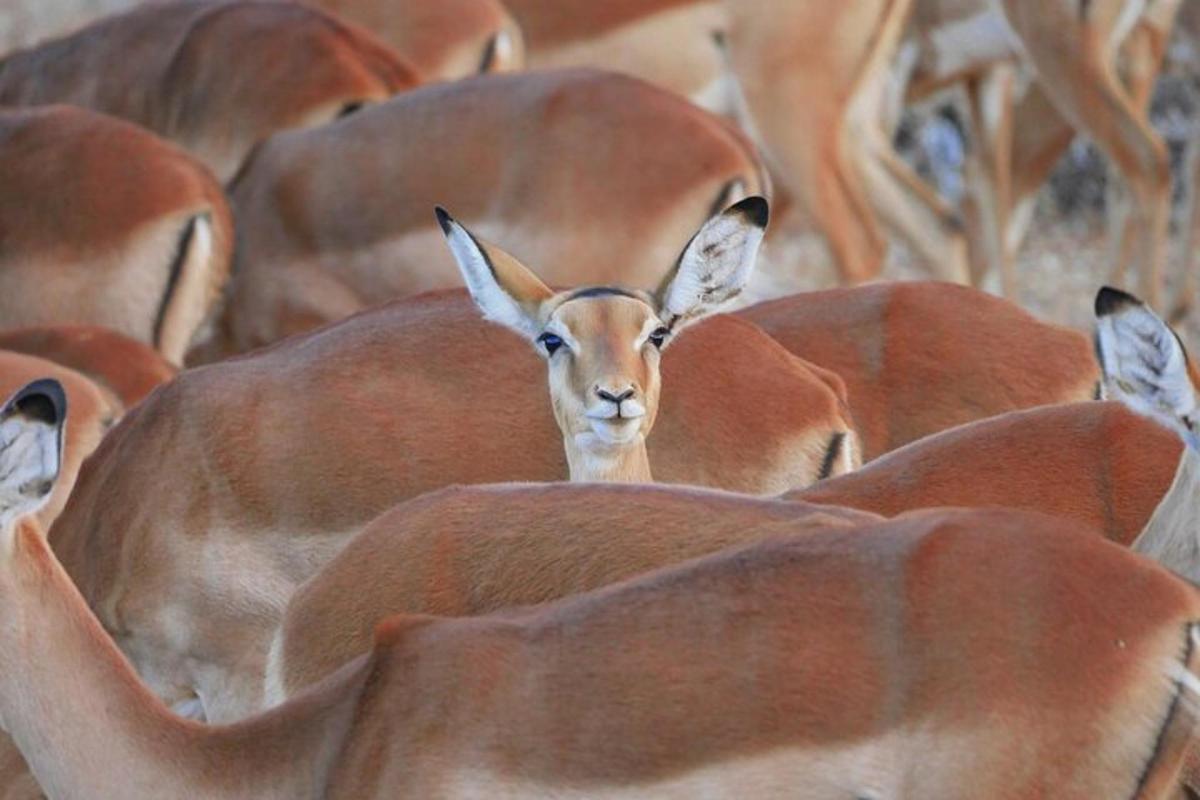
[(614, 398)]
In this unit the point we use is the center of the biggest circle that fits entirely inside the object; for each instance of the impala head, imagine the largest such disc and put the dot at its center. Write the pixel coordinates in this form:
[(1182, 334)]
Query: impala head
[(602, 345), (1145, 365), (31, 449)]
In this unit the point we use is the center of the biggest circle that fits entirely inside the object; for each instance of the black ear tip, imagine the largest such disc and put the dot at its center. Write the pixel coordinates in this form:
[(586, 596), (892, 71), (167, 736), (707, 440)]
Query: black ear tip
[(754, 208), (1110, 301), (443, 217), (43, 400)]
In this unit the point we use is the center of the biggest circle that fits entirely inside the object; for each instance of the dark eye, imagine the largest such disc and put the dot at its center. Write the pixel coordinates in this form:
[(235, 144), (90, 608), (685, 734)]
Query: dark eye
[(550, 342), (658, 336)]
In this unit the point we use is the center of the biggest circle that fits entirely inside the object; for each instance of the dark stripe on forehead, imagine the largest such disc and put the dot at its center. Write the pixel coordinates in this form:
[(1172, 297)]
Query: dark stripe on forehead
[(601, 291)]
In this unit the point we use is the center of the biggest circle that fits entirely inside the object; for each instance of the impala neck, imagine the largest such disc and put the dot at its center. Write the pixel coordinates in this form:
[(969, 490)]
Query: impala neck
[(1172, 536), (88, 727), (624, 464)]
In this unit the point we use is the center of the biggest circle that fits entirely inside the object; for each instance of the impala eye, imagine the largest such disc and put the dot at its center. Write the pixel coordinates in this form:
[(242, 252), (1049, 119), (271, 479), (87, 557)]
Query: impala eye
[(658, 336), (550, 342)]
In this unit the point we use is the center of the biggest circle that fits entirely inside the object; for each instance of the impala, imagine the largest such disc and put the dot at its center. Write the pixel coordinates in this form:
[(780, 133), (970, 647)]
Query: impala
[(470, 550), (1146, 366), (602, 344), (503, 151), (443, 41), (95, 411), (142, 246), (920, 357), (272, 461), (838, 661), (125, 367), (1072, 48), (214, 76), (1020, 141), (814, 82), (798, 76)]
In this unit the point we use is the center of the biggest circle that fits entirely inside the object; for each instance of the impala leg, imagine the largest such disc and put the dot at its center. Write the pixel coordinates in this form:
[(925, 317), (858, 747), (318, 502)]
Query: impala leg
[(1186, 298), (815, 170), (989, 174), (905, 203), (802, 115), (1086, 90), (1040, 137)]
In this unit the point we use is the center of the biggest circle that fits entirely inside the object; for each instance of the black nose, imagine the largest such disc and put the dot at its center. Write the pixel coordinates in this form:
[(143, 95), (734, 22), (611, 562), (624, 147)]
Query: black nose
[(615, 398)]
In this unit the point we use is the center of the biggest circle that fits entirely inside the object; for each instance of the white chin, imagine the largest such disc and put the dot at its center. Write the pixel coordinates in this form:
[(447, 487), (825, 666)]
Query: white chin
[(616, 432)]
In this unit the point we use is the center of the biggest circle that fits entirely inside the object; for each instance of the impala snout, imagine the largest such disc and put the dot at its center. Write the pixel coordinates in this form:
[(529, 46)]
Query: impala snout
[(615, 416), (611, 405)]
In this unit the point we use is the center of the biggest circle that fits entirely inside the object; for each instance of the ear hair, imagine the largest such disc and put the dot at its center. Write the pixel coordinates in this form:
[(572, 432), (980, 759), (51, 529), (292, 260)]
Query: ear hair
[(716, 264), (1145, 365), (31, 447), (505, 290)]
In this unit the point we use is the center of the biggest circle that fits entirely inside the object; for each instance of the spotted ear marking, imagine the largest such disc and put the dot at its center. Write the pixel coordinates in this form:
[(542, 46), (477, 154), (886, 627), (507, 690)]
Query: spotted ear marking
[(716, 265), (1144, 363)]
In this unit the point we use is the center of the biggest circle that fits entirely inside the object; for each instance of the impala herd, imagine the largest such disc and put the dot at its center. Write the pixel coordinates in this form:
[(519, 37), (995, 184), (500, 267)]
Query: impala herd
[(285, 512)]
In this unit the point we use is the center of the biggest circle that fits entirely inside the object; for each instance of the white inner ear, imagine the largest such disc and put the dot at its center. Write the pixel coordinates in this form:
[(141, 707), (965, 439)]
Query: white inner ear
[(714, 268), (496, 304), (1145, 367), (29, 463)]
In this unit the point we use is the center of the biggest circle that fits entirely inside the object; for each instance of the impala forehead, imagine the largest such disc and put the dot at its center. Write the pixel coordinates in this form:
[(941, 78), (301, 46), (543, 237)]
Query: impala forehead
[(608, 317)]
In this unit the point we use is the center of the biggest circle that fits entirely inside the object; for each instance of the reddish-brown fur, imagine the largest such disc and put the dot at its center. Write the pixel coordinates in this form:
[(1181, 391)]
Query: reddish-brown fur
[(1096, 463), (492, 149), (445, 40), (94, 213), (921, 357), (854, 659), (467, 551), (215, 76), (124, 366), (276, 458), (799, 69)]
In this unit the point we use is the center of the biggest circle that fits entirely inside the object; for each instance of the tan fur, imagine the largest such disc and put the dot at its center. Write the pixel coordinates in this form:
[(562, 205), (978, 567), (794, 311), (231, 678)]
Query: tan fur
[(491, 149), (196, 72), (94, 212), (844, 659), (271, 461), (614, 359), (1092, 75), (892, 344), (760, 56), (443, 41), (124, 366)]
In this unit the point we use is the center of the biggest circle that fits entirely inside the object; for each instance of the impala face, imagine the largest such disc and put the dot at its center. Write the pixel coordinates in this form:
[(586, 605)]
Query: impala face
[(602, 348), (602, 345)]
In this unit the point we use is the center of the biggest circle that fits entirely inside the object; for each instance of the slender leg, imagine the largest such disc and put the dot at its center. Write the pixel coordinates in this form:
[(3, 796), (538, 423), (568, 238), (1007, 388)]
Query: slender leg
[(1073, 63)]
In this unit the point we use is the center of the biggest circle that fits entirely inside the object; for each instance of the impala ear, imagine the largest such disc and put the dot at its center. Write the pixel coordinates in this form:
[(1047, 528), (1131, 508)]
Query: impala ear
[(505, 290), (1144, 363), (31, 446), (716, 264)]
